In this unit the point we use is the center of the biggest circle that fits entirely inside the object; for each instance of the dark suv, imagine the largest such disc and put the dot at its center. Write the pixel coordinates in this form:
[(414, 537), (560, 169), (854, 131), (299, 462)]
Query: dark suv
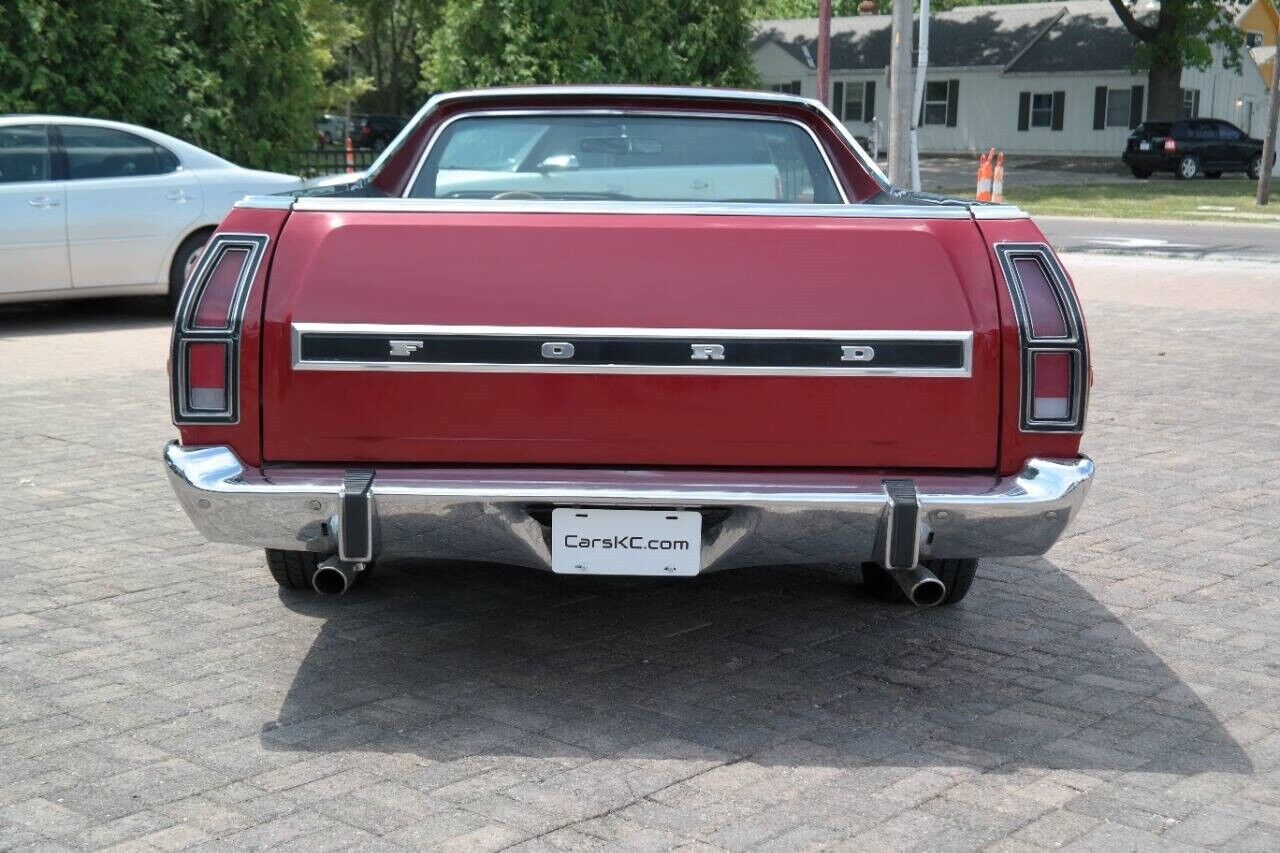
[(375, 131), (1192, 146)]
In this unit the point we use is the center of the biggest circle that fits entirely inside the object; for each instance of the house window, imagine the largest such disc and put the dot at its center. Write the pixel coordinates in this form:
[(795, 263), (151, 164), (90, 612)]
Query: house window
[(1042, 109), (1253, 38), (1190, 103), (1118, 107), (789, 88), (940, 102), (854, 100)]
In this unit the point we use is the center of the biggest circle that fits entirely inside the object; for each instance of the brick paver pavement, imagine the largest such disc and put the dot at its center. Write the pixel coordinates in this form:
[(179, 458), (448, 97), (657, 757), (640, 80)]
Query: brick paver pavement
[(158, 692)]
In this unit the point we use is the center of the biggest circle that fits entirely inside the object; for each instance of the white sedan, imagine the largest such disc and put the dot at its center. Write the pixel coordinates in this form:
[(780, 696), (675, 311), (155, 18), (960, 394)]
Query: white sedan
[(100, 208)]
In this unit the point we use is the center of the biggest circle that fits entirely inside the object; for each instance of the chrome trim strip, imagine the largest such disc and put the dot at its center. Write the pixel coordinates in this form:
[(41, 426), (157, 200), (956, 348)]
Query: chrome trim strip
[(997, 211), (332, 204), (568, 111), (770, 517), (266, 202), (297, 330)]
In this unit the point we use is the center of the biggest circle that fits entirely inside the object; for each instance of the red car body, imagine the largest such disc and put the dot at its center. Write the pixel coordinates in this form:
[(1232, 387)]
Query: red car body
[(341, 302)]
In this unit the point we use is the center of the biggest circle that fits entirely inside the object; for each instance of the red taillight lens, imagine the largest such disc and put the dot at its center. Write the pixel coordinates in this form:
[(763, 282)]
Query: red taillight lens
[(1051, 386), (1053, 351), (1043, 309), (213, 308), (1170, 145), (207, 377)]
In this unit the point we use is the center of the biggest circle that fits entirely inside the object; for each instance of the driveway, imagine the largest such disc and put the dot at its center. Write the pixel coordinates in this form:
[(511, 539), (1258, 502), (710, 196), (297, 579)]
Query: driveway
[(1122, 692)]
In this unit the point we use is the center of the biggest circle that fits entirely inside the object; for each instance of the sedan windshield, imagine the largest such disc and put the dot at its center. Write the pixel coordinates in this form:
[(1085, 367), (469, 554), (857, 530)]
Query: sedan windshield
[(566, 156)]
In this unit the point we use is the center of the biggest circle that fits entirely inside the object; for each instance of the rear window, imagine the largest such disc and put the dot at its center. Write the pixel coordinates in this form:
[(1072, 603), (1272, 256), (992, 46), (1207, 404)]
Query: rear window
[(626, 158)]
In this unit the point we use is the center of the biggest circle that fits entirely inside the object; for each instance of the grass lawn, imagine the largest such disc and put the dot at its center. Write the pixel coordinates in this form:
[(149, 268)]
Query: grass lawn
[(1226, 199)]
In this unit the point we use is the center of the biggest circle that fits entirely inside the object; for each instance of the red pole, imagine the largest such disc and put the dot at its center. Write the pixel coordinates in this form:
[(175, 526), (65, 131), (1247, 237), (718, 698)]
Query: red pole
[(824, 51)]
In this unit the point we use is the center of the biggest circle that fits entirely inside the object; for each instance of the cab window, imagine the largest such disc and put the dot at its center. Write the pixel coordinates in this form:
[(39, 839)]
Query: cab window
[(104, 152)]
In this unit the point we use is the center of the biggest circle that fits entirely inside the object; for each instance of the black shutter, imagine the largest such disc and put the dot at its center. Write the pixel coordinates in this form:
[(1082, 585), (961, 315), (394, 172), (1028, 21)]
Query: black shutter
[(837, 100), (869, 101), (1195, 104), (1135, 106), (1100, 108), (1024, 111), (953, 99), (1059, 108)]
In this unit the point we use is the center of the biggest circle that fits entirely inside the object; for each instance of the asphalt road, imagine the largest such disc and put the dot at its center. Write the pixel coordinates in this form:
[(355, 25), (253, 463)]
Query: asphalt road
[(1189, 240)]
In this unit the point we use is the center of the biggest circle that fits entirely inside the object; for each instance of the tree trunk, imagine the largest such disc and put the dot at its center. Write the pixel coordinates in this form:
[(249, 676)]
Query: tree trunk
[(1164, 85)]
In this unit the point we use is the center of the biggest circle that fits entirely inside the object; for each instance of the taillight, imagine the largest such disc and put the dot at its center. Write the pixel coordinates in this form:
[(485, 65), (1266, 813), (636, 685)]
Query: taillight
[(206, 330), (1170, 145), (1055, 354)]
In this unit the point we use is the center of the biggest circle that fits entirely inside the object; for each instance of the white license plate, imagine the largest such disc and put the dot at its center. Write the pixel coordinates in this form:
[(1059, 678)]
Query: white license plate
[(1144, 146), (625, 542)]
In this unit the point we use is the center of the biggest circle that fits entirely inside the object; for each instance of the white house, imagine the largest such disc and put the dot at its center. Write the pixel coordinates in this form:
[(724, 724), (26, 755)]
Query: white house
[(1033, 78)]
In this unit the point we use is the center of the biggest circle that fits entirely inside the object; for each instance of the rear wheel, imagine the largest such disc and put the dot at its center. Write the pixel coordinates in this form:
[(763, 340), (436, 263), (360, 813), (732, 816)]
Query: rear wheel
[(183, 261), (1255, 168), (292, 569), (1214, 175), (1140, 174), (1188, 167), (956, 575)]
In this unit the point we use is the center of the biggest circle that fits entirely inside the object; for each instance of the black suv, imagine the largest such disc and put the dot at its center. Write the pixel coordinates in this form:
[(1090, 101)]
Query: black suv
[(375, 131), (1192, 146)]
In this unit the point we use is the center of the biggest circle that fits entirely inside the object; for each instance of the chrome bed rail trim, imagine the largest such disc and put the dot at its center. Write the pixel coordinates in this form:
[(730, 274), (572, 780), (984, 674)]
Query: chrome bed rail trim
[(636, 208), (768, 517)]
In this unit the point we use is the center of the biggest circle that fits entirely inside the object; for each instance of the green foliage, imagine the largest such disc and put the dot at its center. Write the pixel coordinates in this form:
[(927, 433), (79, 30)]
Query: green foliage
[(504, 42), (237, 78)]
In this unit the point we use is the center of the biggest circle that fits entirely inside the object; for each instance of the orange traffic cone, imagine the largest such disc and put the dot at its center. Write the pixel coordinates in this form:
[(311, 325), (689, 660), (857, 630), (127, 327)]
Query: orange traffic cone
[(997, 180), (984, 175), (351, 157)]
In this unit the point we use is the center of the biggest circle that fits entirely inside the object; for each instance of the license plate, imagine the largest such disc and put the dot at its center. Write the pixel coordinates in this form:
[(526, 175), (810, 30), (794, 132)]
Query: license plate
[(625, 542), (1144, 146)]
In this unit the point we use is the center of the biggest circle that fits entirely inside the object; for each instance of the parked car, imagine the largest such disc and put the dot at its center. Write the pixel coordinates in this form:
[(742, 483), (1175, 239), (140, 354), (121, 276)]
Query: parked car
[(331, 129), (1190, 147), (655, 378), (375, 131), (100, 208)]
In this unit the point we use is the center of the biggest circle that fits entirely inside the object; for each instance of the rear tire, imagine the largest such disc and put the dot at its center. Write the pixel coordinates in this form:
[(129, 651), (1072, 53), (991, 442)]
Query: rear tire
[(1255, 168), (1213, 176), (292, 569), (956, 575), (1140, 174), (1188, 168), (178, 269)]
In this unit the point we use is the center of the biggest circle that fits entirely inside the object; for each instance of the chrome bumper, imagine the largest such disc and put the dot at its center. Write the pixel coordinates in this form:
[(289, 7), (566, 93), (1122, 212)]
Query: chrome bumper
[(751, 518)]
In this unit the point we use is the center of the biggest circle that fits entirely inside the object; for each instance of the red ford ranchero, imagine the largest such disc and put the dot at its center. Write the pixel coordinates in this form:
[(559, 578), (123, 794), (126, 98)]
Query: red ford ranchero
[(630, 331)]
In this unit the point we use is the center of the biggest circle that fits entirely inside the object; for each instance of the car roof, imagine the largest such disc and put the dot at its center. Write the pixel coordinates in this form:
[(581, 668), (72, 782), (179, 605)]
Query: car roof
[(191, 155)]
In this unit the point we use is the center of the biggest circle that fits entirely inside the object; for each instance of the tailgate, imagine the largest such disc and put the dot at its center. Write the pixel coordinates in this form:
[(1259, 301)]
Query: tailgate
[(629, 339)]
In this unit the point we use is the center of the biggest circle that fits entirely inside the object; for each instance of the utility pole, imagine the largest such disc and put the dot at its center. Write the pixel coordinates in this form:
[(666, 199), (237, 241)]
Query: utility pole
[(824, 50), (900, 95), (1273, 113), (917, 104)]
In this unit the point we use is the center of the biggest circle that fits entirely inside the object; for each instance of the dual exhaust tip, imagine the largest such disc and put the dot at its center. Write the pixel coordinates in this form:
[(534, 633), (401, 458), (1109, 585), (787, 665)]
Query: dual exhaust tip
[(921, 586)]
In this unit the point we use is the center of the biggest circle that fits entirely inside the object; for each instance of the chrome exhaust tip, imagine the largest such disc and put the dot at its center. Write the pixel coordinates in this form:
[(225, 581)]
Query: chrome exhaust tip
[(334, 577), (921, 586)]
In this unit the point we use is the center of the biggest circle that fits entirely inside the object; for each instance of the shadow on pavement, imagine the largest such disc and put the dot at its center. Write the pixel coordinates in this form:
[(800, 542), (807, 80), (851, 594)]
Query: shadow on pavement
[(786, 667), (56, 317)]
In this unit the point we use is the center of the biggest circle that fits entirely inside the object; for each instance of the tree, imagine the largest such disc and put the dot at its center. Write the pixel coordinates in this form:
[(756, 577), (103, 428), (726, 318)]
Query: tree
[(1182, 34), (392, 33), (239, 79), (497, 42)]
